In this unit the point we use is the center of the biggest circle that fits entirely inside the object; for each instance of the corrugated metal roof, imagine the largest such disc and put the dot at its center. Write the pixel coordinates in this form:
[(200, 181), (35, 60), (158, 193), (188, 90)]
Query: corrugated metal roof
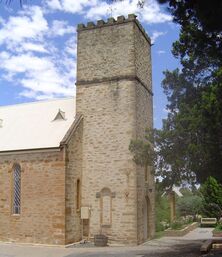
[(32, 125)]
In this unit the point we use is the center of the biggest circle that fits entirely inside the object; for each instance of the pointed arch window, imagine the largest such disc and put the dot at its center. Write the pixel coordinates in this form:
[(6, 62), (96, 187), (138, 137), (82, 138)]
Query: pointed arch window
[(16, 189)]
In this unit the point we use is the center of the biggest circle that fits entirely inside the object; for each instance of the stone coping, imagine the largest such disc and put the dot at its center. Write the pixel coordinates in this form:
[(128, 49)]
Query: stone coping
[(181, 232), (217, 233)]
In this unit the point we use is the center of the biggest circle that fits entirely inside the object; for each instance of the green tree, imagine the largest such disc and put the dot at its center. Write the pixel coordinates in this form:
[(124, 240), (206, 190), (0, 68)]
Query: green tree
[(195, 115), (193, 127), (211, 192), (195, 93), (170, 163), (143, 152), (189, 205), (162, 149)]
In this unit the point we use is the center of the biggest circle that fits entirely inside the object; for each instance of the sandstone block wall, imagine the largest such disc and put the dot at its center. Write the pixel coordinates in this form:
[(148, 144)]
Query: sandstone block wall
[(107, 162), (42, 218), (105, 52), (73, 174), (145, 198), (144, 120), (114, 96)]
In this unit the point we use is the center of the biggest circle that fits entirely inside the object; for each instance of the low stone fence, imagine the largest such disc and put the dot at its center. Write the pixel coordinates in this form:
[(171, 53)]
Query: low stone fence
[(217, 233), (181, 232)]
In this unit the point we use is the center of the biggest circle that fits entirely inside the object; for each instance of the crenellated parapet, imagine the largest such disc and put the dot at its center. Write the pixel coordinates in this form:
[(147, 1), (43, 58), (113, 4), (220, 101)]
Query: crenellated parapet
[(111, 22)]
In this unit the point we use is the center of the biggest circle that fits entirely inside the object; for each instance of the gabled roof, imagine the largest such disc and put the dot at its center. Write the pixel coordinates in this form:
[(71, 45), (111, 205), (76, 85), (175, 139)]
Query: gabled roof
[(33, 125)]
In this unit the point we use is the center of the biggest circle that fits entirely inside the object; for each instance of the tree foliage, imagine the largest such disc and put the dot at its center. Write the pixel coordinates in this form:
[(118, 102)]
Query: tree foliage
[(189, 205), (195, 122), (212, 191), (162, 149), (170, 163), (143, 152), (212, 198), (191, 138), (195, 93)]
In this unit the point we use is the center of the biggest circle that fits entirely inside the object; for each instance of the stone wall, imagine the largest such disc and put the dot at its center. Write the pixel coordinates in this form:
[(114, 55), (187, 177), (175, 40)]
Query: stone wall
[(144, 120), (105, 52), (42, 218), (107, 162), (145, 197), (73, 174), (114, 96)]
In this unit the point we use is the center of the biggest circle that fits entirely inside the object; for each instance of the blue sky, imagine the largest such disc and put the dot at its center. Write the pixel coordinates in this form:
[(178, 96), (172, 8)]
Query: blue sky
[(38, 46)]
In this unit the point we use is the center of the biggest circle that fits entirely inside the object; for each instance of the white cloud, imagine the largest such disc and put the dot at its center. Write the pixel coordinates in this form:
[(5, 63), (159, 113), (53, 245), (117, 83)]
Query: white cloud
[(156, 34), (42, 67), (150, 13), (97, 9), (34, 47), (39, 74), (103, 9), (30, 24), (60, 28), (31, 59), (71, 46), (54, 4), (72, 6), (22, 63)]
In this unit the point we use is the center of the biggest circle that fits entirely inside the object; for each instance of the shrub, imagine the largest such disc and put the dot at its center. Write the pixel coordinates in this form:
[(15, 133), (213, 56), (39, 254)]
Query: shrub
[(189, 205), (177, 224), (212, 198), (212, 210)]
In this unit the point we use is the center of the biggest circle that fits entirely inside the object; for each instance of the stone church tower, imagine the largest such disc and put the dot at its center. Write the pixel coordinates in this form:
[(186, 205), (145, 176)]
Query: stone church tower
[(64, 178), (114, 96)]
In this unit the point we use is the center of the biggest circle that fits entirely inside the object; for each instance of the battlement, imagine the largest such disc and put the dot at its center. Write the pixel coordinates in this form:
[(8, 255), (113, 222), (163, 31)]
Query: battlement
[(111, 22)]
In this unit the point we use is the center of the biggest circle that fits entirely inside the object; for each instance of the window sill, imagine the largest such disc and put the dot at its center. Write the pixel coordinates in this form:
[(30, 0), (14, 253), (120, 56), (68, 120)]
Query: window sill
[(16, 215)]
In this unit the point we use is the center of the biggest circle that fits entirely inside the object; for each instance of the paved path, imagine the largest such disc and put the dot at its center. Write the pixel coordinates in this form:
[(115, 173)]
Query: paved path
[(199, 234), (187, 246)]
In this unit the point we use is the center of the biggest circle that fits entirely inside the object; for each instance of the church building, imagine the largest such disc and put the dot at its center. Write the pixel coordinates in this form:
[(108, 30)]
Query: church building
[(66, 172)]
